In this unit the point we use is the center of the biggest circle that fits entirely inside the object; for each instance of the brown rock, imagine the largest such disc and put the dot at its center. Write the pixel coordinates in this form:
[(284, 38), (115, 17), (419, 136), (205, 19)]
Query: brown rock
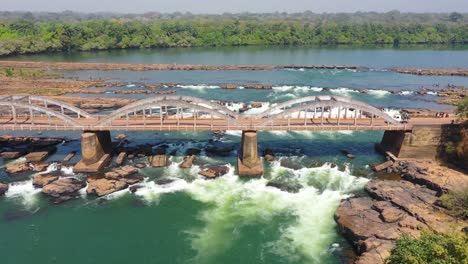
[(256, 105), (40, 167), (122, 172), (418, 201), (3, 188), (69, 157), (121, 158), (214, 171), (382, 166), (159, 160), (120, 137), (17, 167), (63, 187), (101, 187), (188, 162), (42, 180), (140, 165), (37, 156), (12, 154)]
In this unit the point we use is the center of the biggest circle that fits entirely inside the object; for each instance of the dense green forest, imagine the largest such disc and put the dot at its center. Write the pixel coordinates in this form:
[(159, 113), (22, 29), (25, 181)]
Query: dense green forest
[(22, 33)]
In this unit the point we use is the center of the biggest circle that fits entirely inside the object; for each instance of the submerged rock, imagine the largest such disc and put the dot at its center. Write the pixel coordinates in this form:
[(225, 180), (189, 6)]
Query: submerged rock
[(42, 180), (220, 149), (291, 187), (192, 151), (3, 188), (163, 181)]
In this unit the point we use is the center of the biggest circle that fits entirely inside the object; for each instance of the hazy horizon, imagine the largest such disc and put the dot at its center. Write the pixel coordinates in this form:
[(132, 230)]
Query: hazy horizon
[(240, 6)]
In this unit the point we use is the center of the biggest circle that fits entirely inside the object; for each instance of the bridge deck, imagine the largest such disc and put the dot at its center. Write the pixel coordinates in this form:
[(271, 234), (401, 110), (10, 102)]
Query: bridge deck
[(191, 124)]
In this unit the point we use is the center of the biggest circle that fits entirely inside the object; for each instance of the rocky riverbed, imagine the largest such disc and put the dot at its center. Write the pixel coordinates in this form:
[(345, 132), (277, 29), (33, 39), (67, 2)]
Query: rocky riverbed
[(409, 205)]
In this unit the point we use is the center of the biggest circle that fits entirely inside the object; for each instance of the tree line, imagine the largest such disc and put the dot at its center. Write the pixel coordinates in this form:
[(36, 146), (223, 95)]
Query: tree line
[(31, 35)]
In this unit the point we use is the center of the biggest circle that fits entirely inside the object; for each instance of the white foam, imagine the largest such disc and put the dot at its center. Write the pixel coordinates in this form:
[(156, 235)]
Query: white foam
[(237, 203), (151, 192), (343, 90), (378, 93), (198, 87), (236, 133), (406, 92), (24, 192)]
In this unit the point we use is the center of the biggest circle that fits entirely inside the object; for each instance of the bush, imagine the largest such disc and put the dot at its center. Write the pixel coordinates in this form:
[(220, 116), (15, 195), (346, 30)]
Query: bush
[(431, 248), (456, 203)]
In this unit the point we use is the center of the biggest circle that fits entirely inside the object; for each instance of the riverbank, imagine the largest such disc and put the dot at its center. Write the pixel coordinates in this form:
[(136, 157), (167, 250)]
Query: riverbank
[(409, 205), (163, 67), (416, 71)]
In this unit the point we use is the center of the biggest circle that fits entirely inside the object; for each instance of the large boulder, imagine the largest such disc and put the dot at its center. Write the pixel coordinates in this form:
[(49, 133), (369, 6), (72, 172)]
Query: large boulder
[(103, 186), (17, 167), (42, 180), (188, 162), (64, 188), (122, 172), (3, 188), (158, 161), (121, 158)]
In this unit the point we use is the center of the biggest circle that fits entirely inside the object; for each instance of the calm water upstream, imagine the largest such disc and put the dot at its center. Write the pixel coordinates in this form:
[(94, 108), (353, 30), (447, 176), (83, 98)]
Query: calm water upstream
[(227, 220)]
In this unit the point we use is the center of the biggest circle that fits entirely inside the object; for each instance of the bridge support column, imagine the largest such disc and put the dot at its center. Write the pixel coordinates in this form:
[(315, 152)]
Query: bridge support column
[(248, 162), (96, 148), (421, 142)]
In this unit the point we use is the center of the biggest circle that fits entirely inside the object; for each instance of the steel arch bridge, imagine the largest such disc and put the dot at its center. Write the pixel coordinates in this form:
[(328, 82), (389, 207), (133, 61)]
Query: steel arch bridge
[(27, 112)]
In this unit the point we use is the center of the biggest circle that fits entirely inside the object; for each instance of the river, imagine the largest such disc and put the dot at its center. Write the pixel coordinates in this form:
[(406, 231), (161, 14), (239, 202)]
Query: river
[(227, 220)]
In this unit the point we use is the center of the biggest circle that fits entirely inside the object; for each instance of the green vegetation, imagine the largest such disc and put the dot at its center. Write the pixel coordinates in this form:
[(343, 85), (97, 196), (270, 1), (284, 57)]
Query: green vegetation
[(32, 33), (27, 73), (431, 248), (456, 203), (462, 108)]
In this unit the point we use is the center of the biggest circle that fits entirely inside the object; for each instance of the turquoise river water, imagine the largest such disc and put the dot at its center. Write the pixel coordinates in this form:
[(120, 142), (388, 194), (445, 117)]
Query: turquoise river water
[(226, 220)]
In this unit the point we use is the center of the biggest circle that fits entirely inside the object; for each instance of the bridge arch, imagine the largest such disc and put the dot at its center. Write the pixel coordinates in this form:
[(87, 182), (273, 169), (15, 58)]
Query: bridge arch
[(180, 103), (47, 103), (15, 106), (305, 104)]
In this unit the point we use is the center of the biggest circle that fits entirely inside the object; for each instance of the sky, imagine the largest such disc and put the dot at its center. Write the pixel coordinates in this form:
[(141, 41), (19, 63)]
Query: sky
[(234, 6)]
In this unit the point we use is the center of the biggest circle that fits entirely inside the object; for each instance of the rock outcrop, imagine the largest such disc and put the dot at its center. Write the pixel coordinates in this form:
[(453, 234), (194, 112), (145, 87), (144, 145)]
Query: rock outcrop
[(113, 181), (42, 180), (17, 167), (373, 224), (63, 189)]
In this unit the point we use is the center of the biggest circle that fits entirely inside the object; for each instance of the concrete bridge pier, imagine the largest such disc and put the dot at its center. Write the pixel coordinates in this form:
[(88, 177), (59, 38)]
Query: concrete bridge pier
[(96, 148), (248, 162), (421, 142)]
